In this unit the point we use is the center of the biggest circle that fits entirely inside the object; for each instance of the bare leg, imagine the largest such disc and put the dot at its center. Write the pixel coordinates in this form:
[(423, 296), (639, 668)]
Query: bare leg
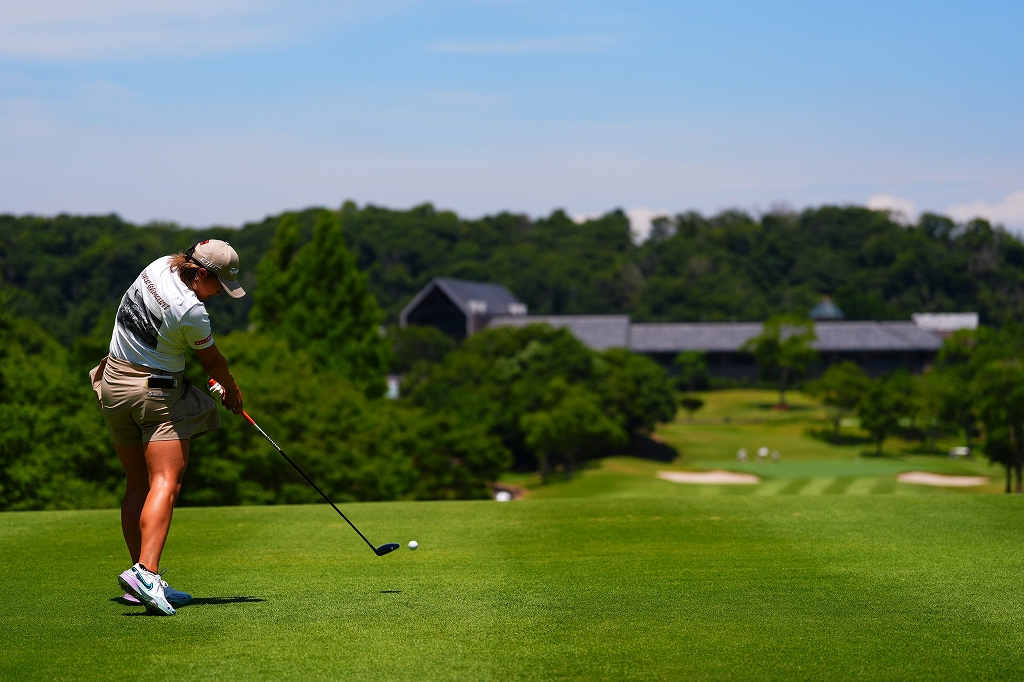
[(134, 463), (166, 460)]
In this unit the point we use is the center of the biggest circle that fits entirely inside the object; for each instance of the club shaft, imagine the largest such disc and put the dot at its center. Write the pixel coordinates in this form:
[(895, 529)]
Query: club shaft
[(308, 479)]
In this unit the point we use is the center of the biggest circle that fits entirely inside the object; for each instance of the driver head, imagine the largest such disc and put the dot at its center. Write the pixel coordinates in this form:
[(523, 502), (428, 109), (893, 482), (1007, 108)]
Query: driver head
[(385, 549)]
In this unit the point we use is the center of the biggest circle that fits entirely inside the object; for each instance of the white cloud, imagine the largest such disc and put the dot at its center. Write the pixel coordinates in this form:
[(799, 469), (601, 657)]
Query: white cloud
[(580, 218), (1009, 211), (901, 209), (640, 222), (50, 12), (90, 29), (508, 47)]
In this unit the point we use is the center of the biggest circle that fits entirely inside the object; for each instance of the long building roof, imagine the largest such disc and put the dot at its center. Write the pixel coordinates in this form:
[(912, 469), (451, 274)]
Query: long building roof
[(600, 332), (874, 336), (674, 337), (607, 331)]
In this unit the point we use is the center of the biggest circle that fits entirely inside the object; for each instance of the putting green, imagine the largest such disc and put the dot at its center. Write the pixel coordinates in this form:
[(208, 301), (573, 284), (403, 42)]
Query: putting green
[(663, 588)]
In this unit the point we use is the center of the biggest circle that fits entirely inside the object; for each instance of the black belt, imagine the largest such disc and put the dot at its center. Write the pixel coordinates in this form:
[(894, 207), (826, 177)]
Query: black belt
[(161, 381)]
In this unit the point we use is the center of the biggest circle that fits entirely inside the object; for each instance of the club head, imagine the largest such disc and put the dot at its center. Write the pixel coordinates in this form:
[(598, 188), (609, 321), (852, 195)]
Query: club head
[(386, 549)]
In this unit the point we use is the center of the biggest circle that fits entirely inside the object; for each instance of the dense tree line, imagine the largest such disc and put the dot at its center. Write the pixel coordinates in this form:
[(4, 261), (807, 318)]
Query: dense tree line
[(66, 272)]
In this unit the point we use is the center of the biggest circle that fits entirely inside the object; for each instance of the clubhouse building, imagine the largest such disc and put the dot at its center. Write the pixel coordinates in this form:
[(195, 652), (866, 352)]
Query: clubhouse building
[(461, 309)]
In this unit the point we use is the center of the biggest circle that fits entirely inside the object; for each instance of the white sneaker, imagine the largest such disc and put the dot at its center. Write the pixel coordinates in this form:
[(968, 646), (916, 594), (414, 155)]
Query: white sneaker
[(148, 588), (175, 597)]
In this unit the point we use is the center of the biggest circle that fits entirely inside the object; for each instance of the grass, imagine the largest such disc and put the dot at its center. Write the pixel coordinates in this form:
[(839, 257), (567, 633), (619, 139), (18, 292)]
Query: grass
[(658, 588), (810, 464), (828, 569)]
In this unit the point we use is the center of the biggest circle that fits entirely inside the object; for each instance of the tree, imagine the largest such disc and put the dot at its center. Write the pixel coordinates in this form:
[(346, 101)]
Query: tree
[(54, 450), (693, 371), (355, 447), (501, 375), (691, 404), (783, 350), (840, 389), (885, 401), (999, 392), (317, 300), (414, 344), (570, 423), (635, 390), (957, 366), (932, 394)]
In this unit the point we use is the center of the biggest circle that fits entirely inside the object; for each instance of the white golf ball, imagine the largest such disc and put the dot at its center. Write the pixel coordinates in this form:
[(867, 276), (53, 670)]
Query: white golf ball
[(413, 544)]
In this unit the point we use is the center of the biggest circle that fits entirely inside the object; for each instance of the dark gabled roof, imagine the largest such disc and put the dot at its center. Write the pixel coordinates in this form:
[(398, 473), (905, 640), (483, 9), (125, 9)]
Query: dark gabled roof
[(675, 337), (599, 332), (496, 298)]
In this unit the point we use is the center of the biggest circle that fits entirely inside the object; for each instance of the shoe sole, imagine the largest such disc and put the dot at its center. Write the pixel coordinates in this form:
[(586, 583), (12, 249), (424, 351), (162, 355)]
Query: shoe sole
[(146, 600), (129, 589)]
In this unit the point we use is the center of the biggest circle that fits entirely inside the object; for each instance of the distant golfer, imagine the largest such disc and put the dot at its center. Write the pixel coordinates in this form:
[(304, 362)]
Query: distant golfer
[(152, 410)]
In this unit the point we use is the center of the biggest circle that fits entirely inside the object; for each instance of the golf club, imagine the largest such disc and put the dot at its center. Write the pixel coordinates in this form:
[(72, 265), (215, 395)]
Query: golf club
[(379, 551)]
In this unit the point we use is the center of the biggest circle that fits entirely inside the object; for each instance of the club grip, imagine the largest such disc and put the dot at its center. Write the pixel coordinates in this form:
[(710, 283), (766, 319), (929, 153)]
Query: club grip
[(217, 388)]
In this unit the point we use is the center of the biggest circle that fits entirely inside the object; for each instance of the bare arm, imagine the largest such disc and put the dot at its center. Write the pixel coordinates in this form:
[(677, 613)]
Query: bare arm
[(216, 365)]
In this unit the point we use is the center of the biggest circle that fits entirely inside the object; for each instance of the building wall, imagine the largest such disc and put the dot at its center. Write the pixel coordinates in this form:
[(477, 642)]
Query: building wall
[(874, 363), (437, 310)]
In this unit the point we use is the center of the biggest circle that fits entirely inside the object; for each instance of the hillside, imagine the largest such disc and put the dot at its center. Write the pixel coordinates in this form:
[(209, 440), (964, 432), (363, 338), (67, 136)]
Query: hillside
[(67, 272)]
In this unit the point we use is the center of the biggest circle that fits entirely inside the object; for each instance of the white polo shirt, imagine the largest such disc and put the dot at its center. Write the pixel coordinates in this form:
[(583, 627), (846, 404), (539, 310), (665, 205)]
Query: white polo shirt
[(159, 317)]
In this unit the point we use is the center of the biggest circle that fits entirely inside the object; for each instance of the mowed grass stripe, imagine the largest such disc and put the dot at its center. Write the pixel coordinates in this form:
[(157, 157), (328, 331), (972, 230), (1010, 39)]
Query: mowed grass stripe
[(794, 486), (861, 486), (838, 486), (883, 486), (771, 487), (817, 485)]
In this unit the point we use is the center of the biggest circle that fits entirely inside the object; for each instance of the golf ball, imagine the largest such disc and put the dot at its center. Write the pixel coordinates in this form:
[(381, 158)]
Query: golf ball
[(413, 544)]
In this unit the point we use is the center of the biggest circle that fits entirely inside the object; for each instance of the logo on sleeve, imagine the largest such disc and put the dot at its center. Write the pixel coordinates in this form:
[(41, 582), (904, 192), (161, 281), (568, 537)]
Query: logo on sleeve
[(205, 341)]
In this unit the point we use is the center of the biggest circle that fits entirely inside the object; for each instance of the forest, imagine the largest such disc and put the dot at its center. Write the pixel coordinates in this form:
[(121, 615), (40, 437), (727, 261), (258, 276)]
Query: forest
[(66, 272), (309, 351)]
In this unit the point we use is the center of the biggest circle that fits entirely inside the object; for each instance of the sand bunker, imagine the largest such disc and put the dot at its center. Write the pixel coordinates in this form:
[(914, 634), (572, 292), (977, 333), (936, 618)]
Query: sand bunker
[(926, 478), (716, 477)]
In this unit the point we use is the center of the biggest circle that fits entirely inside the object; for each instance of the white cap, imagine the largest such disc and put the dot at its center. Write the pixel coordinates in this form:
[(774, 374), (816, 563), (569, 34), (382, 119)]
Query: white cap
[(219, 258)]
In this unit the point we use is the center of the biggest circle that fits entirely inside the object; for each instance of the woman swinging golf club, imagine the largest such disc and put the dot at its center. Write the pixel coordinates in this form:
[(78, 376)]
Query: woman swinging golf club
[(150, 408)]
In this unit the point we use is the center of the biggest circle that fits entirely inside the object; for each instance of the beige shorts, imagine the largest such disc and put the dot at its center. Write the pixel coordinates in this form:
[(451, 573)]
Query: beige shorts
[(137, 414)]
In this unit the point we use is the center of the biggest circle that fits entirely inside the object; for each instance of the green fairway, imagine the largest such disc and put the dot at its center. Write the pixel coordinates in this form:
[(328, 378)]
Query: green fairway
[(809, 464), (672, 587)]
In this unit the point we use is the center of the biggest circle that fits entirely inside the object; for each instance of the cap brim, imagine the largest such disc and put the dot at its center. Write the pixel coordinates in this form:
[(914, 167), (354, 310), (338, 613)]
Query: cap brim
[(232, 288)]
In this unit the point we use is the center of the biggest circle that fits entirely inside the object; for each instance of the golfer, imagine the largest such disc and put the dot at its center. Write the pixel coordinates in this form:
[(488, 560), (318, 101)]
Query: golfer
[(151, 410)]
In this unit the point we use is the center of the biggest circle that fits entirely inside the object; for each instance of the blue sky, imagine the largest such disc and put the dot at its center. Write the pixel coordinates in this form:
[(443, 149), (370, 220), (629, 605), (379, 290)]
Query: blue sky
[(223, 111)]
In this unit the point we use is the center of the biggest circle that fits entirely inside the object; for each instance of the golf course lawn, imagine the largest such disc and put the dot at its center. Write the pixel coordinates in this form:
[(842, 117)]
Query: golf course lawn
[(809, 464), (666, 588)]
